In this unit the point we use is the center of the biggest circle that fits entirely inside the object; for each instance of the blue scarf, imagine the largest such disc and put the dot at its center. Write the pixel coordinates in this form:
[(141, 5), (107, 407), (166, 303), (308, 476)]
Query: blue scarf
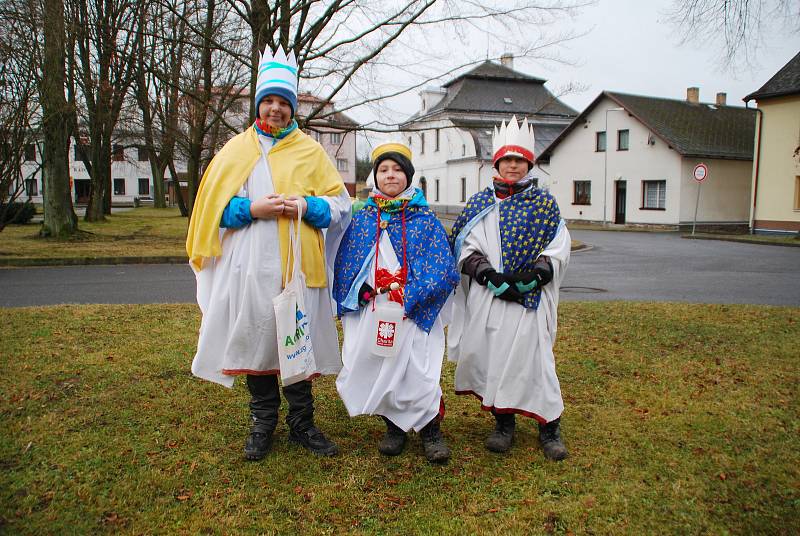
[(529, 221), (432, 274)]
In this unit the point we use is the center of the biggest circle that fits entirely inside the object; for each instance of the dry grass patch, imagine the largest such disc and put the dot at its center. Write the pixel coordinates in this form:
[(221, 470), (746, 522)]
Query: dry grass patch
[(140, 232), (680, 419)]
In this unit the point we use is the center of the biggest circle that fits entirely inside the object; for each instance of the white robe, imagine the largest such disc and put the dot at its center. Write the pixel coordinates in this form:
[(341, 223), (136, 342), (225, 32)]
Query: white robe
[(404, 388), (503, 350), (235, 292)]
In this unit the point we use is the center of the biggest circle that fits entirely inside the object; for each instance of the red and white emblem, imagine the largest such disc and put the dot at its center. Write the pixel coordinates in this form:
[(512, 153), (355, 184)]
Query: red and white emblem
[(386, 333)]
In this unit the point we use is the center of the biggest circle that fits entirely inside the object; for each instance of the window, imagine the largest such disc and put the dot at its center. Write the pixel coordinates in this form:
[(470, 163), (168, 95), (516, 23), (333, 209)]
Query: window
[(422, 143), (409, 141), (437, 190), (119, 186), (463, 189), (600, 142), (654, 195), (316, 135), (30, 152), (336, 138), (437, 140), (117, 153), (797, 193), (341, 164), (144, 186), (623, 137), (463, 149), (31, 187), (582, 193), (142, 154)]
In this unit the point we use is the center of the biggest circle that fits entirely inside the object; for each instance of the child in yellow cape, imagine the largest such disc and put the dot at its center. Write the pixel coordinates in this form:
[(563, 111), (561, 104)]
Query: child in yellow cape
[(238, 244)]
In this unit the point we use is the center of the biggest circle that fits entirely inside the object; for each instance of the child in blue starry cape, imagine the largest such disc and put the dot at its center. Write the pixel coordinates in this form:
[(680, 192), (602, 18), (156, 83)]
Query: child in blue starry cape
[(395, 250), (512, 249)]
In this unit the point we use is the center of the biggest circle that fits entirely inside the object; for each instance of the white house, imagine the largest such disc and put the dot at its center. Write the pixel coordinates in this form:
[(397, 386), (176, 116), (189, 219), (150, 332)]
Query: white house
[(451, 135), (630, 159), (131, 176)]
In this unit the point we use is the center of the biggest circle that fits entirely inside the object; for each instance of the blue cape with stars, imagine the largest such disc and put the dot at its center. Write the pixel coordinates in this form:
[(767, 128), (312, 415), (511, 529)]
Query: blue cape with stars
[(432, 274), (529, 220)]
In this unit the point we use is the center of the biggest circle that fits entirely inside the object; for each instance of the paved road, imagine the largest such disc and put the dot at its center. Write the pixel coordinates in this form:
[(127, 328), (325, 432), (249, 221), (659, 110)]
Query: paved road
[(620, 266)]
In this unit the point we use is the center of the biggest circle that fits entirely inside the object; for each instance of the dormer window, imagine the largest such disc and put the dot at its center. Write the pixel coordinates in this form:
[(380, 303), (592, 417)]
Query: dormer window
[(507, 100)]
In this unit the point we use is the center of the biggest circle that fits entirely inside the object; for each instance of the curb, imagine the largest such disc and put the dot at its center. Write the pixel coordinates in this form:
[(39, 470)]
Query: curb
[(742, 241), (82, 261)]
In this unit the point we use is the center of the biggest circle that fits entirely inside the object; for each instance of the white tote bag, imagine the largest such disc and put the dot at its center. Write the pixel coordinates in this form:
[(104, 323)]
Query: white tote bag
[(295, 353)]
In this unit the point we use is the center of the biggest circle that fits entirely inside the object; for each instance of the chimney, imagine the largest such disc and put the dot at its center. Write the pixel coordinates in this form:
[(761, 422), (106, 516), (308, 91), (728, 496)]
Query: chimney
[(721, 99), (693, 95), (507, 60)]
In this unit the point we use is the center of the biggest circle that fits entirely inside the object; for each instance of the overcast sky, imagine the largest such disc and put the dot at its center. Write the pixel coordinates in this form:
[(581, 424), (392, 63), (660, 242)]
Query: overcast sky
[(628, 47), (631, 49)]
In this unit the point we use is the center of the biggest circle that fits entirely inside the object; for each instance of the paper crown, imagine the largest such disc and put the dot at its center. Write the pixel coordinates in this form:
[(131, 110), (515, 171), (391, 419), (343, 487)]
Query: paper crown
[(513, 140), (277, 75), (390, 147)]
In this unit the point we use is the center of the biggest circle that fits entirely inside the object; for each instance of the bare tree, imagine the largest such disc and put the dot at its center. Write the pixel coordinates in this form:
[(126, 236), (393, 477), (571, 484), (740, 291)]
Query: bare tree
[(737, 26), (104, 34), (57, 116)]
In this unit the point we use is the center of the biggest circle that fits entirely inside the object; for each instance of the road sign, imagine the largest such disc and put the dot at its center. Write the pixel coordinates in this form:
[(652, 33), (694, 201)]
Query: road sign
[(700, 172)]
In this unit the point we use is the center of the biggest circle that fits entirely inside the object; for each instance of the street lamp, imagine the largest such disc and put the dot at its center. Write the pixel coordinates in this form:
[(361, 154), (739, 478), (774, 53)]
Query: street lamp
[(605, 163)]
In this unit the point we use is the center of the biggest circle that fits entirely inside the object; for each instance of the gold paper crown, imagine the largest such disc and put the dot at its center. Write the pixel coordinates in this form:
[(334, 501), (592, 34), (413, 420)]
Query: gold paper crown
[(390, 147)]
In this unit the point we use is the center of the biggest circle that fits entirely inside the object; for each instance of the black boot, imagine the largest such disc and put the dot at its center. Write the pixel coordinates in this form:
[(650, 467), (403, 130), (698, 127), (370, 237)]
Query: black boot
[(436, 450), (500, 440), (301, 420), (265, 399), (550, 439), (393, 441), (314, 440)]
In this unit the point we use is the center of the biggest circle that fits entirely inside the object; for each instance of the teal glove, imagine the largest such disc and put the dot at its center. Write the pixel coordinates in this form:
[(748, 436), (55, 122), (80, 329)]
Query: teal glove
[(526, 287)]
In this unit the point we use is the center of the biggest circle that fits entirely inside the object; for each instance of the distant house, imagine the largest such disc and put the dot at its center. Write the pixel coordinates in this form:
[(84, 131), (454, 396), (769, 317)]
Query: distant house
[(776, 171), (131, 176), (336, 133), (451, 135), (629, 159)]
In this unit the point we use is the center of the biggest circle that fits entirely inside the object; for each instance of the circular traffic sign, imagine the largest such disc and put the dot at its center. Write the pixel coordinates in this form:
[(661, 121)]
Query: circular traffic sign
[(700, 172)]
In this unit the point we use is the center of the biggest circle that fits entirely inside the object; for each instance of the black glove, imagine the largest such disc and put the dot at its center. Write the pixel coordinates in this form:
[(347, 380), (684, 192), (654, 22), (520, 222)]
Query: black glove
[(500, 284), (365, 294), (541, 275)]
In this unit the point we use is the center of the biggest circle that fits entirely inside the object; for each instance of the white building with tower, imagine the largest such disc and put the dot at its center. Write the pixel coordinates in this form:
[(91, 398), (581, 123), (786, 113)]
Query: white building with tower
[(451, 135)]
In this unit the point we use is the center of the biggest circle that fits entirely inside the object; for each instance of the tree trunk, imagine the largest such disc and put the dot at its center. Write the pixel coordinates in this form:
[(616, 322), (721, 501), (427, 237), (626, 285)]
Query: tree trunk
[(101, 167), (59, 217)]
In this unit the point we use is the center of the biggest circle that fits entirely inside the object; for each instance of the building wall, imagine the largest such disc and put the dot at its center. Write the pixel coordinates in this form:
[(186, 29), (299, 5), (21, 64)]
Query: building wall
[(455, 159), (724, 194), (647, 158), (341, 153), (130, 169), (776, 192)]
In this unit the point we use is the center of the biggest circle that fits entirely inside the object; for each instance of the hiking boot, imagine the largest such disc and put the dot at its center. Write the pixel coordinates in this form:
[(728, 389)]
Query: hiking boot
[(436, 450), (257, 445), (314, 440), (500, 440), (394, 440), (550, 439)]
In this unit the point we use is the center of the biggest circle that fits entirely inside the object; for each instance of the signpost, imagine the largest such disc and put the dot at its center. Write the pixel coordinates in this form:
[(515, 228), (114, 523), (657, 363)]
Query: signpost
[(700, 173)]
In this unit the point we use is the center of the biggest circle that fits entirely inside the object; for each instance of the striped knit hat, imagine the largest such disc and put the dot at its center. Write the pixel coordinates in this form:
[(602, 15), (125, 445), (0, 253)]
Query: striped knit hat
[(277, 75)]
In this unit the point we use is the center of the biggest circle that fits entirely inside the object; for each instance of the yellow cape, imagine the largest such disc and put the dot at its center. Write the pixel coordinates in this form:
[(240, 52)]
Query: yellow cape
[(299, 166)]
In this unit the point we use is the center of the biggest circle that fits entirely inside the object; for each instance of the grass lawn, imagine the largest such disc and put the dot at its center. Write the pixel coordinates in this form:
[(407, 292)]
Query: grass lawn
[(680, 419), (140, 232)]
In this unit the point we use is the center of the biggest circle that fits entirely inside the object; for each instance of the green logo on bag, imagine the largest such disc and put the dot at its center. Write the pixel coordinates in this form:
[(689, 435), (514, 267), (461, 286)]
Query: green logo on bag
[(300, 330)]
